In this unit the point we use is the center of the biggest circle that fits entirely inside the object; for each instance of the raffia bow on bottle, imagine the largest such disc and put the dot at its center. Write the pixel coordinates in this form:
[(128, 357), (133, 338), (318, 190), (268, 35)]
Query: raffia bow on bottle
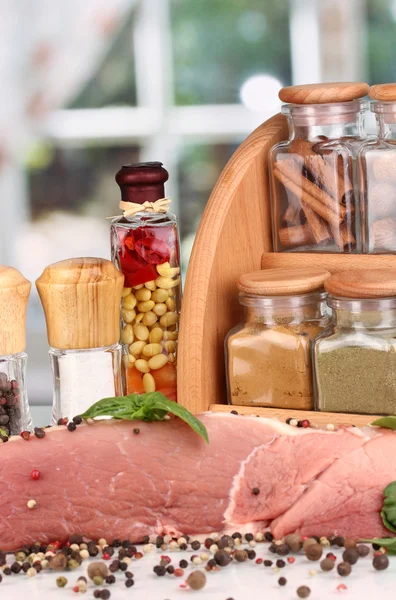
[(129, 209)]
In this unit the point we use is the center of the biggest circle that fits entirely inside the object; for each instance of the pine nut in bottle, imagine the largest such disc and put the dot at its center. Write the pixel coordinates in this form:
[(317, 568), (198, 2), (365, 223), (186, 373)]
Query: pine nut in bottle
[(126, 291), (129, 302), (171, 358), (167, 271), (138, 287), (149, 318), (170, 335), (156, 335), (128, 360), (150, 285), (145, 306), (141, 332), (139, 318), (142, 365), (160, 295), (151, 350), (127, 335), (166, 282), (136, 348), (169, 319), (128, 315), (160, 309), (143, 295), (148, 383), (157, 362), (171, 304), (170, 346)]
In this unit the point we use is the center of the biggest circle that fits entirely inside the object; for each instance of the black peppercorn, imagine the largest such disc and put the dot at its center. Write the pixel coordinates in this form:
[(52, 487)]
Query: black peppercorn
[(96, 593), (376, 546), (72, 427), (236, 535), (183, 547), (77, 420), (110, 579), (116, 543), (105, 594), (123, 566), (363, 550), (129, 583), (25, 567), (268, 563), (136, 431), (350, 556), (251, 554), (339, 541), (127, 543), (280, 563), (380, 562), (249, 537), (225, 542), (288, 420), (282, 549), (183, 564), (212, 563), (221, 558), (93, 551), (16, 567), (282, 580), (268, 536), (159, 541), (159, 570), (273, 548), (128, 575), (344, 569), (195, 545), (255, 491), (170, 569), (38, 432), (7, 571), (234, 412)]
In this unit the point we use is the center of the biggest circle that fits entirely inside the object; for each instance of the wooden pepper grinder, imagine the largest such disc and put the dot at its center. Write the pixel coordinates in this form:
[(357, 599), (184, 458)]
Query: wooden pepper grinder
[(81, 299), (14, 407)]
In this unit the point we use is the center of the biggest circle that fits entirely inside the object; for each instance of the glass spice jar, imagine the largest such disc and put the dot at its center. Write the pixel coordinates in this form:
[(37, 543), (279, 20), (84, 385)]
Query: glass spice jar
[(81, 299), (268, 356), (377, 175), (145, 247), (355, 358), (15, 414), (314, 206)]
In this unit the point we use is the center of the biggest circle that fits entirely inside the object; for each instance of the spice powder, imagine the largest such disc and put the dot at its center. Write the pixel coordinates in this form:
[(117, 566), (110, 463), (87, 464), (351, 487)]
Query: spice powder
[(270, 365)]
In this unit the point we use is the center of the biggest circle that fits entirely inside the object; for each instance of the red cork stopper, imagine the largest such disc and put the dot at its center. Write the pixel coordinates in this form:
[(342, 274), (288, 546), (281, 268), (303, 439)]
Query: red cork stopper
[(142, 182)]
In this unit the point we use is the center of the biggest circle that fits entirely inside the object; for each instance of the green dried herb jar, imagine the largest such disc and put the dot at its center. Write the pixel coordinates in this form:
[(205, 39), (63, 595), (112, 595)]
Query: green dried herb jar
[(355, 357)]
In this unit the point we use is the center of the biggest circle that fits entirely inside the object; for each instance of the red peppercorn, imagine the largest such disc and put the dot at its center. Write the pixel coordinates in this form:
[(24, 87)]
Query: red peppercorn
[(35, 474), (167, 558), (342, 587), (106, 556), (331, 555), (291, 559), (305, 423), (25, 435), (178, 572), (258, 561), (76, 589)]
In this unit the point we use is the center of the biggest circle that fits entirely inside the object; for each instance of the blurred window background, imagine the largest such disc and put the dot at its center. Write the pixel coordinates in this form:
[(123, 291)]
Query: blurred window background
[(89, 86)]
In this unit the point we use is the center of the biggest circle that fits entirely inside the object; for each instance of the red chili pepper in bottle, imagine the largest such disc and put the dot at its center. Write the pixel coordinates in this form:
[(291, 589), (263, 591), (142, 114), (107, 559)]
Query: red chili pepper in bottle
[(145, 247)]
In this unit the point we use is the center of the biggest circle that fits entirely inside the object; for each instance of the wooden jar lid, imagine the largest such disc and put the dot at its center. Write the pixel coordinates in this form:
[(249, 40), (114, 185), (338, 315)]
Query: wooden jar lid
[(14, 296), (323, 93), (383, 91), (81, 298), (373, 283), (283, 282)]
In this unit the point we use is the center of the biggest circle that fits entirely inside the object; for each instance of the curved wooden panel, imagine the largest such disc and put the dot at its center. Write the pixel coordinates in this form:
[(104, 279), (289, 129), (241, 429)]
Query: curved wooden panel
[(234, 232)]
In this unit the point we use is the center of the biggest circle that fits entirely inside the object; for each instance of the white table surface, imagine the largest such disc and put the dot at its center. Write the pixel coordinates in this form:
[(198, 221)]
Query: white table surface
[(241, 581)]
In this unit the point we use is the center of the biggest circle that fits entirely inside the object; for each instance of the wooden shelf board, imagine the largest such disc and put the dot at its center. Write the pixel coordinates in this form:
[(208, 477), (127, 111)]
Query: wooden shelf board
[(318, 418), (332, 262)]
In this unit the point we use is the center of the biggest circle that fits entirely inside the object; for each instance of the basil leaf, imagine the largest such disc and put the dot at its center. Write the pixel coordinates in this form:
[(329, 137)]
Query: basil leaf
[(153, 406), (386, 422), (3, 432), (388, 543)]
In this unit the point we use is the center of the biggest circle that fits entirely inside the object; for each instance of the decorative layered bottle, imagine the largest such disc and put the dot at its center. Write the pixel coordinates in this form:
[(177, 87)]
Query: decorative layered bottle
[(14, 407), (145, 247)]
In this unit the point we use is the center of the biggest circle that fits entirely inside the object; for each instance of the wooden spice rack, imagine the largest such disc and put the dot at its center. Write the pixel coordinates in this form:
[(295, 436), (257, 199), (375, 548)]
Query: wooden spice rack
[(234, 237)]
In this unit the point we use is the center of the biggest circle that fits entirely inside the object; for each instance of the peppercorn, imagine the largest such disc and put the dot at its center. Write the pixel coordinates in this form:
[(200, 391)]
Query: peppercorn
[(105, 594), (183, 546), (211, 563), (236, 535), (96, 593), (350, 556), (170, 569), (251, 554), (127, 543), (116, 543), (97, 580), (273, 548), (97, 569), (255, 491), (77, 420), (73, 564), (349, 543), (282, 549), (240, 555), (136, 431), (93, 551), (380, 562), (25, 567), (234, 412), (282, 580), (72, 427), (196, 580), (110, 579), (159, 570), (16, 567), (25, 435), (58, 562), (268, 563), (108, 550), (327, 564), (7, 570), (221, 558), (303, 591), (280, 563), (376, 546), (123, 566), (61, 582), (339, 541), (129, 583), (362, 550), (249, 537), (268, 536), (39, 433), (344, 569), (183, 564), (313, 551), (308, 541), (294, 542)]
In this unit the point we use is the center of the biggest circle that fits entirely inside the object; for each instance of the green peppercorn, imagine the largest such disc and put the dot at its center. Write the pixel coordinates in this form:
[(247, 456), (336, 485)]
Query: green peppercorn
[(303, 591), (196, 580), (97, 579), (380, 562), (72, 564), (61, 582), (344, 569), (327, 564), (314, 551)]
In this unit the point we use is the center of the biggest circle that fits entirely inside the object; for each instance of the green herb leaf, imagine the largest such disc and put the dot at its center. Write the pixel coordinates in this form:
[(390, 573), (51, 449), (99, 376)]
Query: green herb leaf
[(388, 543), (386, 422), (3, 432), (145, 407)]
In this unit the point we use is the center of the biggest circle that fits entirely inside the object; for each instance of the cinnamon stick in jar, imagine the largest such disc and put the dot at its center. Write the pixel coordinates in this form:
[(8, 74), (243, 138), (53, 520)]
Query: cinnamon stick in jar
[(298, 235)]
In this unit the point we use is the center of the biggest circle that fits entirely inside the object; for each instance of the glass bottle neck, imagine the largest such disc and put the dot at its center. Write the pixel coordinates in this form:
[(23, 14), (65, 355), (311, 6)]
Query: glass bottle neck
[(364, 314), (386, 126), (283, 310), (331, 131)]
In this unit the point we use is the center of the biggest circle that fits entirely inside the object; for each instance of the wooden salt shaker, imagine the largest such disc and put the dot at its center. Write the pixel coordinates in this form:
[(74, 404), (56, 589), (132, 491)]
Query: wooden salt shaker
[(14, 407), (81, 298)]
